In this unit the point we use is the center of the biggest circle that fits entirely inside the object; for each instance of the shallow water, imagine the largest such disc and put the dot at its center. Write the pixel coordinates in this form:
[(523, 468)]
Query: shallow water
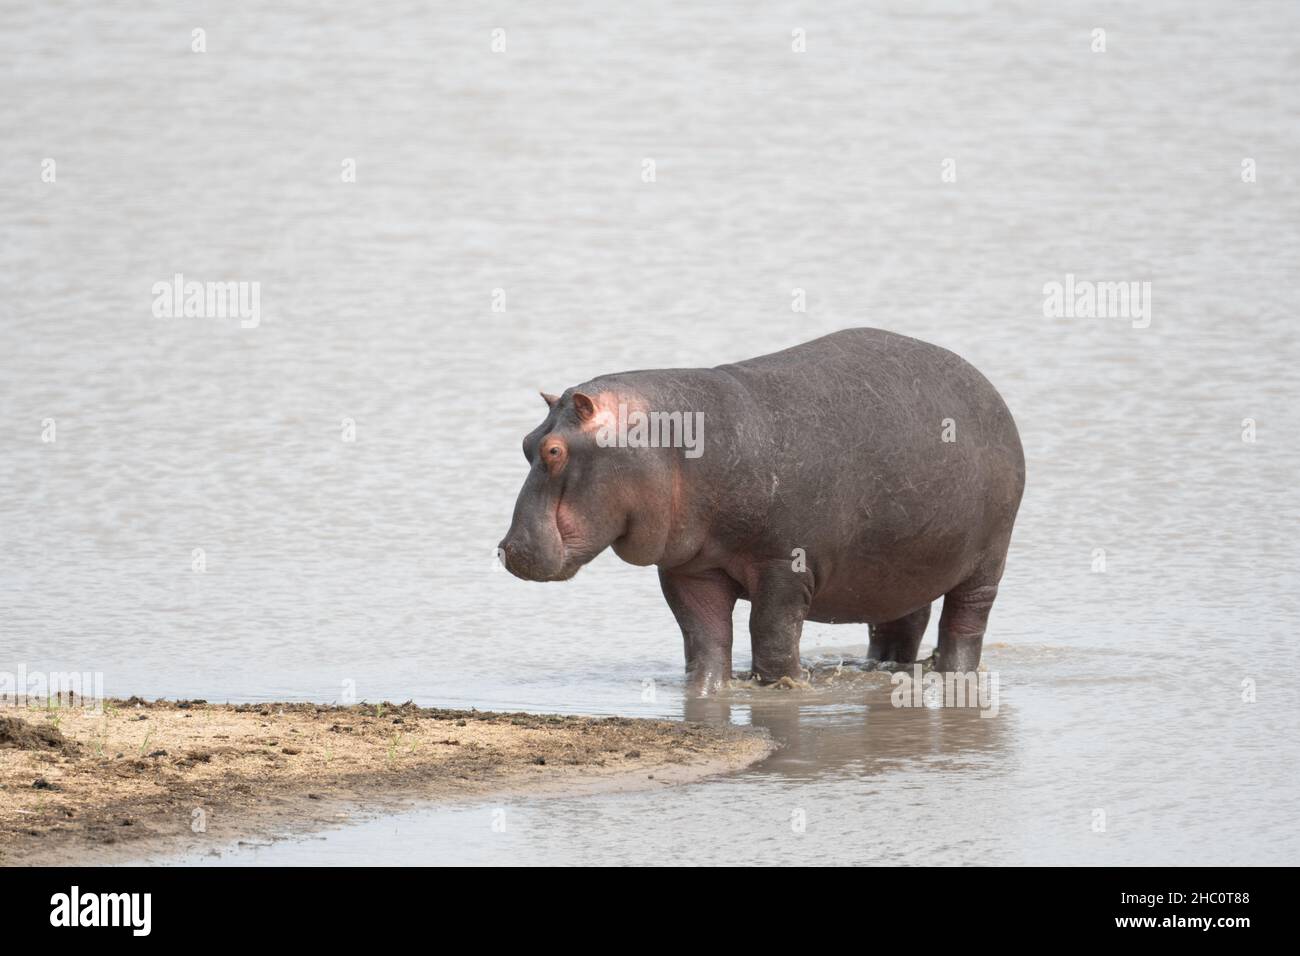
[(366, 567)]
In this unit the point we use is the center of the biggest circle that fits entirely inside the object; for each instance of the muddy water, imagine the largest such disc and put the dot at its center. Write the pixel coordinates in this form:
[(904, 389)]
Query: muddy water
[(861, 781), (1152, 581)]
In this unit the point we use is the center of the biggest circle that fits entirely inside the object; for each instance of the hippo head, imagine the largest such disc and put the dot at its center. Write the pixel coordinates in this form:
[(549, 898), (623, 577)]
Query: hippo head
[(581, 495)]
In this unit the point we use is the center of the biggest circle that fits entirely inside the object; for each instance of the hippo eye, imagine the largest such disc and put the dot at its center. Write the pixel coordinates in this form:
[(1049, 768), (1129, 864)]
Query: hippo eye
[(554, 454)]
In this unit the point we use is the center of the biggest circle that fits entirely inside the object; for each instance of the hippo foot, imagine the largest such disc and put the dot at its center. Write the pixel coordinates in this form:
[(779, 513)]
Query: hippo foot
[(709, 686), (932, 663)]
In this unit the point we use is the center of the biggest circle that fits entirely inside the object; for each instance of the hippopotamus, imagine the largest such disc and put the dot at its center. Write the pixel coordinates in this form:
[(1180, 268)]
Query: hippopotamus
[(855, 478)]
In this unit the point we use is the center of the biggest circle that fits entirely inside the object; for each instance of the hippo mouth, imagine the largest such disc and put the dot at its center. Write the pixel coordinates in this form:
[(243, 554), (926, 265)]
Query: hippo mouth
[(576, 547), (554, 544), (527, 570), (557, 557)]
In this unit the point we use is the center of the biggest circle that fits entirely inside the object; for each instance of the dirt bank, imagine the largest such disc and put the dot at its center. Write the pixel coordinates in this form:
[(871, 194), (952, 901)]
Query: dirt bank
[(140, 778)]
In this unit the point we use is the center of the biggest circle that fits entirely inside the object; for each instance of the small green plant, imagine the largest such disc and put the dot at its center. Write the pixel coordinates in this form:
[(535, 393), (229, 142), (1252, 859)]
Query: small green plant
[(379, 710), (144, 744)]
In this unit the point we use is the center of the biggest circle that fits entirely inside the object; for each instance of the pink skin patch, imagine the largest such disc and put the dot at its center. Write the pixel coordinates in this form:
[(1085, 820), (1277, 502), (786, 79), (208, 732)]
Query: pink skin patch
[(606, 405)]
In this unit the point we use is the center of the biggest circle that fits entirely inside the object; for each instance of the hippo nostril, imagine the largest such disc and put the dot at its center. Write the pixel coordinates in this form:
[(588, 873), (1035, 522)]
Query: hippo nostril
[(512, 556)]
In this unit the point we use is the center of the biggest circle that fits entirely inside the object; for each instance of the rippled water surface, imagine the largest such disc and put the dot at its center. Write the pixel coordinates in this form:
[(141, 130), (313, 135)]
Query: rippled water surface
[(370, 562)]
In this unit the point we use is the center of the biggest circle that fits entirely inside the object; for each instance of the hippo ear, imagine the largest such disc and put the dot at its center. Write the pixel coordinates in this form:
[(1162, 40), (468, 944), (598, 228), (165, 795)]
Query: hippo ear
[(584, 406), (550, 399)]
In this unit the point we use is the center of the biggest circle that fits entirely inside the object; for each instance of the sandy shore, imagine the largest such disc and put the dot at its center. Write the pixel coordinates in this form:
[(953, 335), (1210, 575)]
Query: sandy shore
[(141, 779)]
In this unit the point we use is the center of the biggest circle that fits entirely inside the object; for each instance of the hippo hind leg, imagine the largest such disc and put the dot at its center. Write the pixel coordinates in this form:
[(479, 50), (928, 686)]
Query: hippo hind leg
[(962, 623), (898, 641)]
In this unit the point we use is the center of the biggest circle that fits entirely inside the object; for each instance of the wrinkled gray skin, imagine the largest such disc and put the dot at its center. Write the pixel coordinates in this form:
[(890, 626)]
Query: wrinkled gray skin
[(834, 447)]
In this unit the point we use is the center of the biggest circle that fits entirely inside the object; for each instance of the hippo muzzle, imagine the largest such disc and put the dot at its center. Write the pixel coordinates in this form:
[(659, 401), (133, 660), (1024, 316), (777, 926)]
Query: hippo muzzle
[(533, 548), (533, 557)]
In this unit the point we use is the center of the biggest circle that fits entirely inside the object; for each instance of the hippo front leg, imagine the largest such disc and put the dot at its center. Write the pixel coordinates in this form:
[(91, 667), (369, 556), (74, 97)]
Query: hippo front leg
[(702, 604), (780, 605)]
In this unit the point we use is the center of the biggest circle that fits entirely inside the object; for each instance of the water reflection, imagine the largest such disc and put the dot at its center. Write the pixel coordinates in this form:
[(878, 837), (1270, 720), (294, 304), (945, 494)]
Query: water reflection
[(855, 729)]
